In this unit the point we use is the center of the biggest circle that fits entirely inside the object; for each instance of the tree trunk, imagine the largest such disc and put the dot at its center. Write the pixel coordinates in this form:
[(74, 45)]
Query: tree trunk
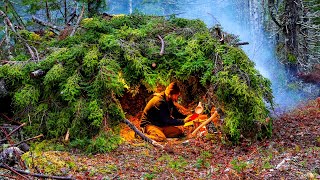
[(291, 26)]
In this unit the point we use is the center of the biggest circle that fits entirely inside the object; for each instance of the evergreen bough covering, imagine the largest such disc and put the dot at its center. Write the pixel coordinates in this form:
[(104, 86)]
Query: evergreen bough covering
[(87, 74)]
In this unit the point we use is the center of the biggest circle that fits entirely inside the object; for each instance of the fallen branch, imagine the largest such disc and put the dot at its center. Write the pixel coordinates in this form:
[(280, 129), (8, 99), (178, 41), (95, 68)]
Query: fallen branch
[(143, 136), (162, 45), (8, 23), (36, 53), (29, 139), (73, 15), (9, 176), (17, 171), (78, 22), (8, 135), (15, 14), (13, 170), (43, 23), (7, 118)]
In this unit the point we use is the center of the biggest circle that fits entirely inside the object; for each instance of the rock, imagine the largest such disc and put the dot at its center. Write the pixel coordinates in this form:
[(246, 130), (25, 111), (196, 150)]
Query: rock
[(10, 156)]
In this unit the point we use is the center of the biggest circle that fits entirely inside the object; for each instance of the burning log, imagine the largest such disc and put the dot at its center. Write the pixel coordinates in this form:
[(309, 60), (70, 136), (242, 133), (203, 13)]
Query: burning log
[(214, 117)]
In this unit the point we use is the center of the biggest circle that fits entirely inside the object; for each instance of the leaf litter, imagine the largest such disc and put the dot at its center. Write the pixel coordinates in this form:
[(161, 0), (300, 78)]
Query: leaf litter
[(293, 152)]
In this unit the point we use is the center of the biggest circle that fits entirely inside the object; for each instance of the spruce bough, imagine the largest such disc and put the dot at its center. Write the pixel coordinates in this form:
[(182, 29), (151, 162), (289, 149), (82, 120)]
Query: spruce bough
[(87, 76)]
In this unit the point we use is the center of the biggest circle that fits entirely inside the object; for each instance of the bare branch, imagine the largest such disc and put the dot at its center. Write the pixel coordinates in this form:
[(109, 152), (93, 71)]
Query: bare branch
[(8, 135), (43, 23), (72, 15), (29, 139), (13, 170), (78, 22), (8, 23), (17, 171), (162, 45)]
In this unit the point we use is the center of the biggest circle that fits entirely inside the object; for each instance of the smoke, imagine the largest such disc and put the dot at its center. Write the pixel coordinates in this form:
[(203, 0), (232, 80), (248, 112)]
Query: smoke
[(242, 18), (245, 19)]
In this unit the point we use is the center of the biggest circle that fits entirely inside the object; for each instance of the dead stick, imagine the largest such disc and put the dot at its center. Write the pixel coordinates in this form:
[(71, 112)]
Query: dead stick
[(13, 132), (43, 23), (214, 115), (35, 175), (13, 170), (6, 134), (78, 22), (29, 139), (8, 22), (73, 14), (7, 118), (8, 176), (162, 45), (143, 136)]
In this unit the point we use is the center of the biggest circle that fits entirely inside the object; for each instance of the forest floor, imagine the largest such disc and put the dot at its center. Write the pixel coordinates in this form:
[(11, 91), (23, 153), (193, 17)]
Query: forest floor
[(293, 152)]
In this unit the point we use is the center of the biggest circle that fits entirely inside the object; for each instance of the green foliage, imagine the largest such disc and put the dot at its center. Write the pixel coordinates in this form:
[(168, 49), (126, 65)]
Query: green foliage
[(71, 89), (238, 165), (202, 161), (105, 142), (90, 61), (87, 74), (149, 176), (29, 36), (178, 164), (292, 58), (95, 114), (97, 24), (28, 95), (108, 79), (57, 123), (12, 74), (54, 76)]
